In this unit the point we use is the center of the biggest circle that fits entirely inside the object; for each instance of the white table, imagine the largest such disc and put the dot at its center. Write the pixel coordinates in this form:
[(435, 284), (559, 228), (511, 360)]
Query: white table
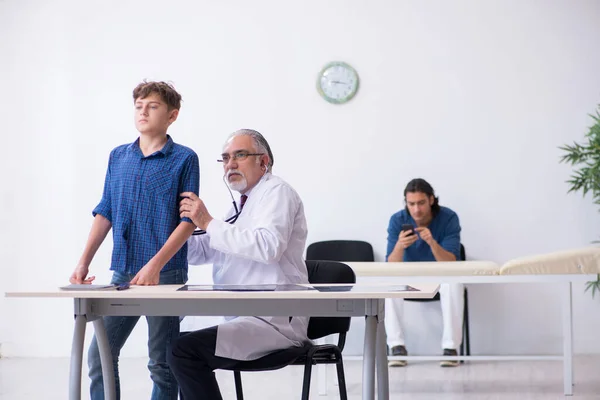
[(455, 272), (165, 300)]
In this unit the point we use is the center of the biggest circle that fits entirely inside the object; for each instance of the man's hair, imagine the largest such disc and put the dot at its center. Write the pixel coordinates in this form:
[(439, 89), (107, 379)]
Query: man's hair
[(262, 146), (166, 91), (422, 186)]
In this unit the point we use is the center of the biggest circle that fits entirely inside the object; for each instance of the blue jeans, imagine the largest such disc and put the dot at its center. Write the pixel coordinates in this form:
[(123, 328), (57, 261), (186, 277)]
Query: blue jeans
[(162, 332)]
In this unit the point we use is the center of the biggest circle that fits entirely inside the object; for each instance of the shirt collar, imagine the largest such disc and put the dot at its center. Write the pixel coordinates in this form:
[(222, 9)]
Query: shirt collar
[(166, 149), (263, 178)]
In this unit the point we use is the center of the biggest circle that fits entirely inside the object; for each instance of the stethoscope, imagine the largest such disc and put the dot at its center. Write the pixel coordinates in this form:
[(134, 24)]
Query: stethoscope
[(235, 216), (229, 220)]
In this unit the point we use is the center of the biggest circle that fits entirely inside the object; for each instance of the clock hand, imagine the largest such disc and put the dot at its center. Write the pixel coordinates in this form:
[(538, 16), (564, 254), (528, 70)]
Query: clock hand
[(343, 83)]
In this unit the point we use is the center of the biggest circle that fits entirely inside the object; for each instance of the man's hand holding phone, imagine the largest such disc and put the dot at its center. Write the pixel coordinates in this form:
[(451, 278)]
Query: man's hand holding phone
[(426, 236), (407, 236)]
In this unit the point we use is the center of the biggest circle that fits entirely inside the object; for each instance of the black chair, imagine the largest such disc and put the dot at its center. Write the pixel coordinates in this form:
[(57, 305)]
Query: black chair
[(318, 327), (340, 250), (465, 346)]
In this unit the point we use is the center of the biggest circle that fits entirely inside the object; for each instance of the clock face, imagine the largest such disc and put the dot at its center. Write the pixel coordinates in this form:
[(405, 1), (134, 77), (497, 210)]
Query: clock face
[(337, 82)]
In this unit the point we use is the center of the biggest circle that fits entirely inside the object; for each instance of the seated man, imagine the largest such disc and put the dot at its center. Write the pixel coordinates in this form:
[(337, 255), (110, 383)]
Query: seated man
[(425, 231), (263, 245)]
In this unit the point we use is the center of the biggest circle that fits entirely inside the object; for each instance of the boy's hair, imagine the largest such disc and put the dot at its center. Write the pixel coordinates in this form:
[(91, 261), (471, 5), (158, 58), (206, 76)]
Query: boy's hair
[(166, 91)]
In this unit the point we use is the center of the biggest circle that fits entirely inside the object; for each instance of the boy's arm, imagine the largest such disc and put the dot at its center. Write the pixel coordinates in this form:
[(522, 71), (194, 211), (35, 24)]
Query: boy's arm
[(150, 273), (100, 229)]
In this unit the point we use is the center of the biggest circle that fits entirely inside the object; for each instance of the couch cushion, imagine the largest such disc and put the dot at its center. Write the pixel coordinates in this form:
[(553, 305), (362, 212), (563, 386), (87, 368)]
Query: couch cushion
[(577, 261), (454, 268)]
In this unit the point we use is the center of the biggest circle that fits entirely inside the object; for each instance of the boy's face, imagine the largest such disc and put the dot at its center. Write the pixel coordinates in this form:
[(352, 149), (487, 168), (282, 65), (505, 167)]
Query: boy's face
[(152, 115)]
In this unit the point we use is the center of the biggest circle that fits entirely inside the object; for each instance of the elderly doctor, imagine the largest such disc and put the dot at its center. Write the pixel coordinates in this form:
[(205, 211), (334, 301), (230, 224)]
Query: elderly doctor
[(263, 245)]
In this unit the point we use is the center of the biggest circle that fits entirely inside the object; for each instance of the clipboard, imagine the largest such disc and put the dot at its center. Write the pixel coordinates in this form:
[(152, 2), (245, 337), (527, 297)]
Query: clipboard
[(245, 288), (82, 286)]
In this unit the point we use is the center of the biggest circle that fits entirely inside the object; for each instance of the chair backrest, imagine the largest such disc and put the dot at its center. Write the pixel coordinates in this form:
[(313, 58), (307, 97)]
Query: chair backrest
[(463, 254), (340, 250), (328, 272)]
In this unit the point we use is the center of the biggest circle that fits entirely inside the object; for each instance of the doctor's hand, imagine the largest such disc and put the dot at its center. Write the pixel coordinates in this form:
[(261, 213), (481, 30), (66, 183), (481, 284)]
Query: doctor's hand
[(193, 208), (147, 276), (426, 236), (407, 238), (80, 274)]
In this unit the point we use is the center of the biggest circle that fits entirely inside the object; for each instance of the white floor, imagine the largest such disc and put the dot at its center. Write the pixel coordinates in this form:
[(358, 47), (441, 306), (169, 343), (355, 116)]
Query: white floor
[(28, 379)]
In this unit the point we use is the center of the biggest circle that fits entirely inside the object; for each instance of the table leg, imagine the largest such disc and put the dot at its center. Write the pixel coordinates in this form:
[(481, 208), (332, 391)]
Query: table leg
[(383, 386), (108, 374), (77, 358), (369, 357), (568, 339)]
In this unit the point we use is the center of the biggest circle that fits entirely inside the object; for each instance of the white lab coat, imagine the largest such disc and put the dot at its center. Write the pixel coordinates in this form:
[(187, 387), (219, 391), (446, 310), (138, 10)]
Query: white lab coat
[(264, 246)]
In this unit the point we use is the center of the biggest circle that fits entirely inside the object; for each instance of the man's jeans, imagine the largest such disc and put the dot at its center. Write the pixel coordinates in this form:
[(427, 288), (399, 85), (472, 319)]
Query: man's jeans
[(162, 332)]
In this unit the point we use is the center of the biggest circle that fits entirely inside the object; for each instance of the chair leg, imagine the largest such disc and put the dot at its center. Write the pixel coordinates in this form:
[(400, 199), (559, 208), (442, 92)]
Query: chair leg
[(466, 327), (341, 379), (464, 324), (307, 374), (237, 376)]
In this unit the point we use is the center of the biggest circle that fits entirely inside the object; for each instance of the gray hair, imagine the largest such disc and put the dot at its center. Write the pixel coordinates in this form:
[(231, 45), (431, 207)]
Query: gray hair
[(262, 146)]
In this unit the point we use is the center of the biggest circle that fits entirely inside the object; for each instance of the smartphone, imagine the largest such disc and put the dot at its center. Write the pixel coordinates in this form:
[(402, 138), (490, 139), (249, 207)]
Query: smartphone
[(408, 227)]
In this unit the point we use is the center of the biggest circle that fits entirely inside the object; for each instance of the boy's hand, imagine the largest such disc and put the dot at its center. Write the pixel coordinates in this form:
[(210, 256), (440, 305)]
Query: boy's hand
[(79, 275), (148, 275)]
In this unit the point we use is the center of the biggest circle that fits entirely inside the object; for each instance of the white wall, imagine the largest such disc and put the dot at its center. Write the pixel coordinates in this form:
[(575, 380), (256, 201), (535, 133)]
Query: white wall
[(474, 96)]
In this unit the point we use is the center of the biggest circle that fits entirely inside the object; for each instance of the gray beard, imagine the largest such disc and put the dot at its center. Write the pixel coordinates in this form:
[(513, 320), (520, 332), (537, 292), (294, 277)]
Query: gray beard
[(238, 186)]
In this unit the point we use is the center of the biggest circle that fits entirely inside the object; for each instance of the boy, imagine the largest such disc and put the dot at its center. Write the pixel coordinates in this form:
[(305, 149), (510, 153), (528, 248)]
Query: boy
[(140, 203)]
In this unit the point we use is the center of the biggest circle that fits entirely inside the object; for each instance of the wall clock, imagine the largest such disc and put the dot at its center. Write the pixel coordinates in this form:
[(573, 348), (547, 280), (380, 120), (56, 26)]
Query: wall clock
[(337, 82)]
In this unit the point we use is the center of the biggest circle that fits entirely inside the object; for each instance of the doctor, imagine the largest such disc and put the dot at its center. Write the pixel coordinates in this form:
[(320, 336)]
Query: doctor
[(265, 245)]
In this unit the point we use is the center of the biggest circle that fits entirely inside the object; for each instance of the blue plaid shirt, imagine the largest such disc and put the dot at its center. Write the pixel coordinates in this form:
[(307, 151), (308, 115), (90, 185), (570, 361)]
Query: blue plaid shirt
[(141, 200)]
